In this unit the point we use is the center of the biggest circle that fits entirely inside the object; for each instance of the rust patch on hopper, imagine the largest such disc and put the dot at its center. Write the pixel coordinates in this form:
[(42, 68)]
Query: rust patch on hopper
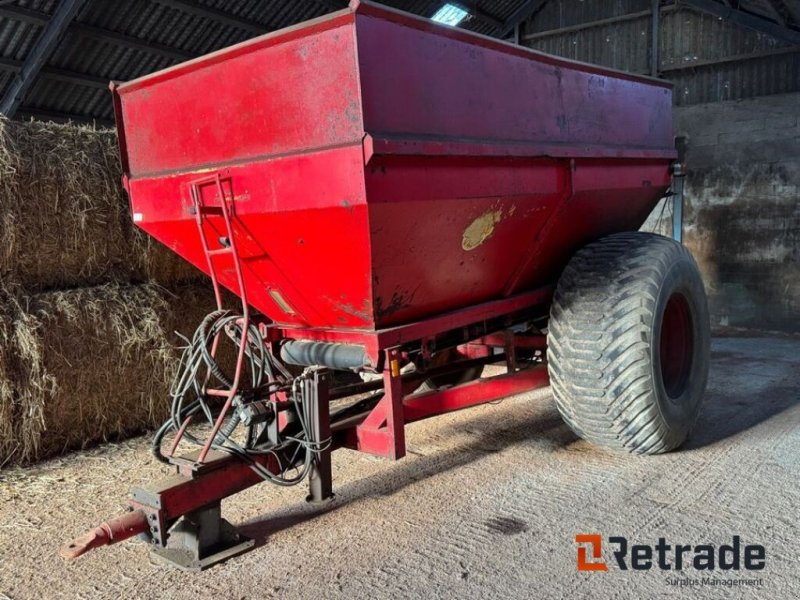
[(480, 229)]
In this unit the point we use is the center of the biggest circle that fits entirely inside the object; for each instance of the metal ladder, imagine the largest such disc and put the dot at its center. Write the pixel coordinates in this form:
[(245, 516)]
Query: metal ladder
[(228, 248)]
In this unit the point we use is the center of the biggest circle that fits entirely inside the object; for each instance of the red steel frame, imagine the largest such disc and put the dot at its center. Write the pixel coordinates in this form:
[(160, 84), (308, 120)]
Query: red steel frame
[(382, 431), (375, 342), (198, 485)]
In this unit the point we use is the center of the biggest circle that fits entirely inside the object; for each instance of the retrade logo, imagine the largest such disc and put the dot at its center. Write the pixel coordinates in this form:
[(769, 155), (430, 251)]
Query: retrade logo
[(590, 543), (664, 556)]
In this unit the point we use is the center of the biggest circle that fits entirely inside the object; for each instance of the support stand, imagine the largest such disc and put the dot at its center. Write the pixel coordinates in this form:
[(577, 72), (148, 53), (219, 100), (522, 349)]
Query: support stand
[(200, 539), (320, 481)]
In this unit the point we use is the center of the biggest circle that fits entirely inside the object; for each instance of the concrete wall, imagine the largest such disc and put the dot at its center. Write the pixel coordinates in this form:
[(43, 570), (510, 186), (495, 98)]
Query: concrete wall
[(742, 215)]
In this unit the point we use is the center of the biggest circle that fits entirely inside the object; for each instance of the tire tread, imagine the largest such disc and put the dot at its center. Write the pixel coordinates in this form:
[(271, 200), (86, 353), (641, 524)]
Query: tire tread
[(599, 347)]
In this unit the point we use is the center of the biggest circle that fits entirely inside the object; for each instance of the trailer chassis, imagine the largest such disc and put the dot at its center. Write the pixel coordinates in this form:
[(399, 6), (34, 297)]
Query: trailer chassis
[(180, 516)]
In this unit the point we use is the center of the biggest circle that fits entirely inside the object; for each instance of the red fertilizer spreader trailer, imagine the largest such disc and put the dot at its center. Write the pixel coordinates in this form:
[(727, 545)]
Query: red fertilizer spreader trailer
[(399, 204)]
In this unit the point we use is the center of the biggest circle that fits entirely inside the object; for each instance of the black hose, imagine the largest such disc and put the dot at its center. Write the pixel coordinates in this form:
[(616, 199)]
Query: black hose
[(222, 436), (188, 398), (205, 328), (191, 377)]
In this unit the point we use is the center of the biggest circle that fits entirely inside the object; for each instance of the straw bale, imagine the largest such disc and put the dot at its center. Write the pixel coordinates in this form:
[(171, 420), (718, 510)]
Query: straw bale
[(64, 216)]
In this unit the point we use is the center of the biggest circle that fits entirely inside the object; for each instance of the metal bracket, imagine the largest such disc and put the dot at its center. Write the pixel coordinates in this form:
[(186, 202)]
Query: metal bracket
[(201, 539), (383, 431), (678, 179)]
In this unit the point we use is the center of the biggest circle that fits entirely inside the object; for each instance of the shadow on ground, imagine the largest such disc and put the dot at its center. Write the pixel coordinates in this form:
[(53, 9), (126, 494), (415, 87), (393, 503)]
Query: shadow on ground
[(743, 392), (488, 435)]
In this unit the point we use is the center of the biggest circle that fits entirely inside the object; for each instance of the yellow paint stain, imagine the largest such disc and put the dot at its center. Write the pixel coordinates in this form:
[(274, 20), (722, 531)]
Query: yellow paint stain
[(480, 229)]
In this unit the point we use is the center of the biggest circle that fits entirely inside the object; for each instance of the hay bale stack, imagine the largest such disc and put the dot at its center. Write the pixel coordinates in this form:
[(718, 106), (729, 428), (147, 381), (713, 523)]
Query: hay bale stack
[(96, 362), (92, 364), (8, 438), (87, 344), (64, 217)]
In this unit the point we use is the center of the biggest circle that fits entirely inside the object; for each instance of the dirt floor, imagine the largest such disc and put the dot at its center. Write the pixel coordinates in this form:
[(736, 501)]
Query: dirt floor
[(487, 504)]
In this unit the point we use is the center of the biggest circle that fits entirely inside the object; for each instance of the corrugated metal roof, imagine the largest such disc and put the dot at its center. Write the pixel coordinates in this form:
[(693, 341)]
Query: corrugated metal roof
[(124, 40), (556, 15), (709, 59)]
